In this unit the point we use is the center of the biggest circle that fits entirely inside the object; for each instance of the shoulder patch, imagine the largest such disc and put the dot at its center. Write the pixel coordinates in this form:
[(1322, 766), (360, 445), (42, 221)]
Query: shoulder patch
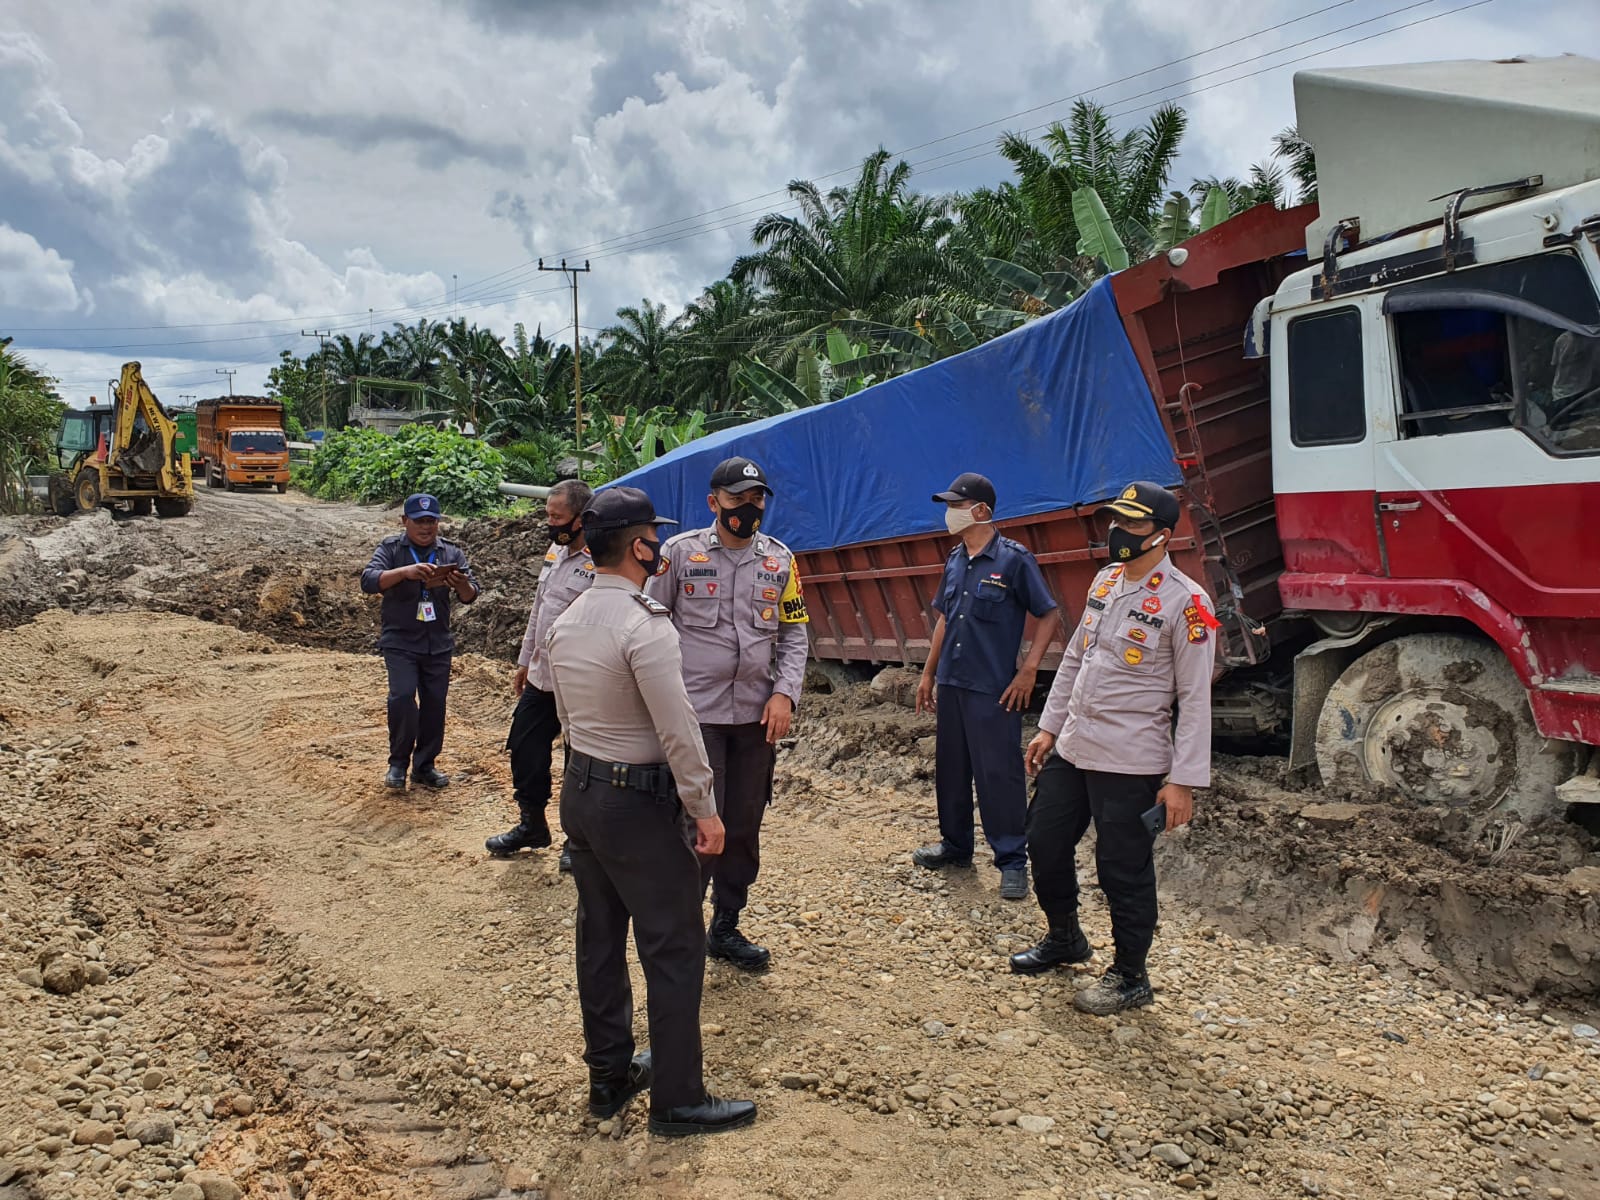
[(651, 605), (550, 554)]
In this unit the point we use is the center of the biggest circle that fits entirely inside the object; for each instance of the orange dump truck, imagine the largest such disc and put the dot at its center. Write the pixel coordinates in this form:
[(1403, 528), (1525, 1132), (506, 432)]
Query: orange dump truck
[(243, 442)]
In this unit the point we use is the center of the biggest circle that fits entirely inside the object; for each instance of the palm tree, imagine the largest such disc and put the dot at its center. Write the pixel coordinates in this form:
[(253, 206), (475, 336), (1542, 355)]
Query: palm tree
[(414, 351), (475, 364), (1301, 159), (711, 349), (635, 370)]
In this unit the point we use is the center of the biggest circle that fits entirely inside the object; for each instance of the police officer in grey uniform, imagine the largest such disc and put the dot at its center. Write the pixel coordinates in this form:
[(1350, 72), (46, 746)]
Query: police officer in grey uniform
[(637, 806), (735, 597), (567, 573), (1107, 749)]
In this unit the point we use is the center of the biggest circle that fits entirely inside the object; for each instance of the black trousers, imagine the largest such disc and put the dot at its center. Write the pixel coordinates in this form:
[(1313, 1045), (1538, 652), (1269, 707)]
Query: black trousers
[(418, 684), (741, 776), (979, 743), (1065, 799), (633, 859), (535, 725)]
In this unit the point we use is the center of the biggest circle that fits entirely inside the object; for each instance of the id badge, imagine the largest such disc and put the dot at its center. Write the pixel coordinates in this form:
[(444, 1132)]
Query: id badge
[(425, 611)]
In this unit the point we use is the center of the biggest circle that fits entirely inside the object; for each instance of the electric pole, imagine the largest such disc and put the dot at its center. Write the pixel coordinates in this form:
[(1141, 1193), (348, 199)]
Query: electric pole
[(322, 336), (230, 373), (577, 356)]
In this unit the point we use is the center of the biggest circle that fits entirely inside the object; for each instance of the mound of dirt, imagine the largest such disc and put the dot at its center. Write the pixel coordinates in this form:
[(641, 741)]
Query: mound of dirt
[(506, 556)]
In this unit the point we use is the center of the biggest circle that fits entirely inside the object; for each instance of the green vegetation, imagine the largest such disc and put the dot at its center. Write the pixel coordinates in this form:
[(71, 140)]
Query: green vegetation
[(364, 465), (30, 411)]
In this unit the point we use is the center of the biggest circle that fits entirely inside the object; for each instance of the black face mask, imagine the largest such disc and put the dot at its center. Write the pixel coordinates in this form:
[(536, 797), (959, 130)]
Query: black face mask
[(1125, 546), (742, 521), (654, 565), (564, 535)]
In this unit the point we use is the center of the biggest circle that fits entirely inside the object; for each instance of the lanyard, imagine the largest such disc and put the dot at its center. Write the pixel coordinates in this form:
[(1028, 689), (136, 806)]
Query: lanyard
[(433, 556)]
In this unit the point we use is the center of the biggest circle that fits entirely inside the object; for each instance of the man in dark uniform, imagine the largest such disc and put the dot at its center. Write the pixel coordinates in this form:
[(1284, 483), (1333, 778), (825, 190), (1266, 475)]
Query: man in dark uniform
[(991, 597), (417, 572), (1107, 748), (637, 805)]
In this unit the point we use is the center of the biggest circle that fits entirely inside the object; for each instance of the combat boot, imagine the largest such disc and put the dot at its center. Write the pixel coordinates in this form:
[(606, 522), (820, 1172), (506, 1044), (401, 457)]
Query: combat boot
[(724, 941), (530, 833), (1064, 944), (1119, 989)]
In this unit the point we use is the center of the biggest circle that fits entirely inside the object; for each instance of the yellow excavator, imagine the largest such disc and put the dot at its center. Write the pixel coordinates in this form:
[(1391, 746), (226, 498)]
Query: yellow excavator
[(122, 453)]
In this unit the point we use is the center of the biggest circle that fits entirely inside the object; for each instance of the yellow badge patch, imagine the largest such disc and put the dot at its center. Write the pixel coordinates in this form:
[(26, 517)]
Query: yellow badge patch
[(699, 556), (766, 614), (550, 555), (1133, 656), (792, 607)]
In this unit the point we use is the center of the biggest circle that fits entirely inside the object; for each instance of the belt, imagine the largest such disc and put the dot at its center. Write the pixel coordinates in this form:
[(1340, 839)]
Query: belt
[(652, 778)]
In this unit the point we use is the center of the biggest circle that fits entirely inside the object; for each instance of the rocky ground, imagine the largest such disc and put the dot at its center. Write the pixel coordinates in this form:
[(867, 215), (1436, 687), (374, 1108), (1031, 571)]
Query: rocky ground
[(230, 963)]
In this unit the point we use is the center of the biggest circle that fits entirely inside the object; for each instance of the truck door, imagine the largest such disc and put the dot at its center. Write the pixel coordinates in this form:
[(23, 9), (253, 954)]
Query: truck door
[(1490, 471)]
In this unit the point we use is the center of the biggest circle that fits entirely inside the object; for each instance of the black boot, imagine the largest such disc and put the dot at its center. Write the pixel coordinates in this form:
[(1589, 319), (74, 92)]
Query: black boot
[(607, 1096), (1062, 945), (1119, 989), (712, 1116), (724, 941), (530, 833)]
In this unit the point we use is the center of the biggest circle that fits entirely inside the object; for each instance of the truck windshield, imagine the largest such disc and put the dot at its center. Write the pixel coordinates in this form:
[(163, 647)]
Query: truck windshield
[(259, 442)]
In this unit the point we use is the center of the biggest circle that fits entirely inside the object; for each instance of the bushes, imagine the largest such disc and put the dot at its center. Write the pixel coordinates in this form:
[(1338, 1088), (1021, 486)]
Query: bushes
[(371, 467)]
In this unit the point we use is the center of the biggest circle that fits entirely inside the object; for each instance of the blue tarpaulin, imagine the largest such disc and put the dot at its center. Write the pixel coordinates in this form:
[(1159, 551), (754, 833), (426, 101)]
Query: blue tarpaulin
[(1056, 413)]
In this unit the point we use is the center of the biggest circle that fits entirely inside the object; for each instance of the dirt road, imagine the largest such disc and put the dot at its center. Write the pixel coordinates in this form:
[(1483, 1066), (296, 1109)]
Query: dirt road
[(230, 960)]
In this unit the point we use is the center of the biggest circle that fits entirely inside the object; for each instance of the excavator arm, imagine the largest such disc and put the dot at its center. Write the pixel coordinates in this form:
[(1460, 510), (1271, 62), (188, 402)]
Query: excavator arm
[(144, 437)]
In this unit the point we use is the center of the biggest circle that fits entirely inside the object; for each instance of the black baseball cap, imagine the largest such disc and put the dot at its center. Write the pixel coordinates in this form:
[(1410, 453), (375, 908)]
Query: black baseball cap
[(619, 508), (968, 486), (738, 475), (1145, 502)]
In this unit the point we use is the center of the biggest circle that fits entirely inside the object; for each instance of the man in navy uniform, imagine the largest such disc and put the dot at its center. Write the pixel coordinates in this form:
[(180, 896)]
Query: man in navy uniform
[(418, 573), (991, 597)]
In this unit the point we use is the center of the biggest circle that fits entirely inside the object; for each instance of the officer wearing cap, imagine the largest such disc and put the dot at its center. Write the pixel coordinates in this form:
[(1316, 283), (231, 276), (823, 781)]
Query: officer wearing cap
[(991, 596), (418, 573), (567, 573), (637, 806), (734, 594), (1107, 749)]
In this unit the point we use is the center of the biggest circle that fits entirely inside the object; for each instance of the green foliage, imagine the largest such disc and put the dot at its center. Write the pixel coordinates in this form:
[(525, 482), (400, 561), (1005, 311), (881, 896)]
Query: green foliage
[(635, 439), (371, 467), (30, 413), (1216, 209), (1097, 235), (533, 459)]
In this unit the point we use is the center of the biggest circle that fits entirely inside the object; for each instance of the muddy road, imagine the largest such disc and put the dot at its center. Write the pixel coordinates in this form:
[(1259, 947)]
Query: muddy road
[(231, 963)]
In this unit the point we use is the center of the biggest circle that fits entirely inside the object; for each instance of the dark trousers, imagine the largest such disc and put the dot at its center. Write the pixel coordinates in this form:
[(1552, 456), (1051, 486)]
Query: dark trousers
[(1065, 799), (418, 684), (633, 858), (535, 725), (980, 743), (741, 777)]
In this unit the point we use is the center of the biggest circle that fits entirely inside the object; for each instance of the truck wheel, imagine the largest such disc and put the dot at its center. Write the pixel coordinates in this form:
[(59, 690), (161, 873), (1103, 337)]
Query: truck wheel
[(88, 491), (172, 506), (227, 484), (141, 506), (1444, 720), (62, 502), (282, 488), (211, 478)]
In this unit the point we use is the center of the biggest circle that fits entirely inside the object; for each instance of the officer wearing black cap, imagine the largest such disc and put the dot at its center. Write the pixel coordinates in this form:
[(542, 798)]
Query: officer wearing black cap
[(991, 596), (637, 807), (1107, 748), (417, 572), (734, 592)]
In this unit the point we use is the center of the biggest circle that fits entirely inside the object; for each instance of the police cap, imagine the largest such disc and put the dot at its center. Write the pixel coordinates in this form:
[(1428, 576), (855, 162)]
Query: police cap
[(620, 508), (1145, 502), (738, 475)]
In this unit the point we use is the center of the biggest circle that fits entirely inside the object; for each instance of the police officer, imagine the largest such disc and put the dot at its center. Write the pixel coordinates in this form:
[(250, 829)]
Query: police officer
[(734, 594), (1107, 749), (635, 767), (991, 596), (535, 725), (418, 573)]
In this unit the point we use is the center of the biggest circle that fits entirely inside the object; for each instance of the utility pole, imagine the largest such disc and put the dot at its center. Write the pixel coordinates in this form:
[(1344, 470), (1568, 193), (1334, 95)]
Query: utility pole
[(577, 356), (322, 336), (455, 297), (230, 372)]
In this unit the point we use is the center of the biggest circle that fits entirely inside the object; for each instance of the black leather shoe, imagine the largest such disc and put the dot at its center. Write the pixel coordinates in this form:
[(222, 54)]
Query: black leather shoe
[(713, 1116), (938, 855), (724, 941), (607, 1098), (564, 863), (1056, 949), (1119, 989), (431, 778), (523, 837), (395, 780)]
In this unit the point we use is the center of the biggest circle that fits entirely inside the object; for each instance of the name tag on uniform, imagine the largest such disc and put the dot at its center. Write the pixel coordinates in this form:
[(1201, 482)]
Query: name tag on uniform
[(425, 611)]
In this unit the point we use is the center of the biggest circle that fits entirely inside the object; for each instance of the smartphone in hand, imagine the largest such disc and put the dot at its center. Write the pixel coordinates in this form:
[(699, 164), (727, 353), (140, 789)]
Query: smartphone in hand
[(1155, 820)]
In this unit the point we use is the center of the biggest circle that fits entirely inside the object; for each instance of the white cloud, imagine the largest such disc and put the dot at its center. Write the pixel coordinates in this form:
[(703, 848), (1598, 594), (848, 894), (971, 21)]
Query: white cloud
[(32, 277)]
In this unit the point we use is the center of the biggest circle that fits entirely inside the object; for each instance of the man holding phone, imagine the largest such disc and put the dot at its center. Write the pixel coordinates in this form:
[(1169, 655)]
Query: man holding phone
[(418, 573), (1107, 749)]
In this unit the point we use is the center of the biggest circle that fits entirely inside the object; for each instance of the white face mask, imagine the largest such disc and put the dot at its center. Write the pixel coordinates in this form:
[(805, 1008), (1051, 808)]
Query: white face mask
[(959, 520)]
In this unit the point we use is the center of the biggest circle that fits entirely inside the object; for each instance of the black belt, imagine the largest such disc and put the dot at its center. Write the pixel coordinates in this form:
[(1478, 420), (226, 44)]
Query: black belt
[(652, 778)]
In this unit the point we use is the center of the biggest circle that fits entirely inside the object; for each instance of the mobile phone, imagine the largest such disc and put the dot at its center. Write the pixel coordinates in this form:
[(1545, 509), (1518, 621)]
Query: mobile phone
[(1155, 820)]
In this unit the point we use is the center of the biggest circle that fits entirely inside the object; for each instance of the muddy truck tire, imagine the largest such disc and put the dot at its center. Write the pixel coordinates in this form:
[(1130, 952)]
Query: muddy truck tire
[(1444, 721), (172, 506)]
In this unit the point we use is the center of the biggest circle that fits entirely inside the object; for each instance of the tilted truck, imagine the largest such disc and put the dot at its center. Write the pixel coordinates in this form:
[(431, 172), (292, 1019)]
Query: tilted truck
[(243, 441), (1384, 417)]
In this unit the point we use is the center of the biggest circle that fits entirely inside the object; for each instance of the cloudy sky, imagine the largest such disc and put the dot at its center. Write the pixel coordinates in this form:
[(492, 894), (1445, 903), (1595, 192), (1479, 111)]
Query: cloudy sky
[(194, 184)]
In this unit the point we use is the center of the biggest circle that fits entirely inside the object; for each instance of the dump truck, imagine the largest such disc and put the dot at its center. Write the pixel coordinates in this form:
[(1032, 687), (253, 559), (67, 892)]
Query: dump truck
[(243, 441), (121, 455), (1382, 413), (188, 444)]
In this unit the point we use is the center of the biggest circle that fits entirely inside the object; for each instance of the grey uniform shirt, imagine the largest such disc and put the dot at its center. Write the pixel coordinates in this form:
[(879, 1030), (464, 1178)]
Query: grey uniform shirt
[(565, 577), (741, 618), (618, 683), (1138, 647)]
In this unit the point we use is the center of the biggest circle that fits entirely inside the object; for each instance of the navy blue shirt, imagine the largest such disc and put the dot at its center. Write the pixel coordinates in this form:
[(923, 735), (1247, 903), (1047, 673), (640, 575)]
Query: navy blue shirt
[(401, 629), (985, 600)]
